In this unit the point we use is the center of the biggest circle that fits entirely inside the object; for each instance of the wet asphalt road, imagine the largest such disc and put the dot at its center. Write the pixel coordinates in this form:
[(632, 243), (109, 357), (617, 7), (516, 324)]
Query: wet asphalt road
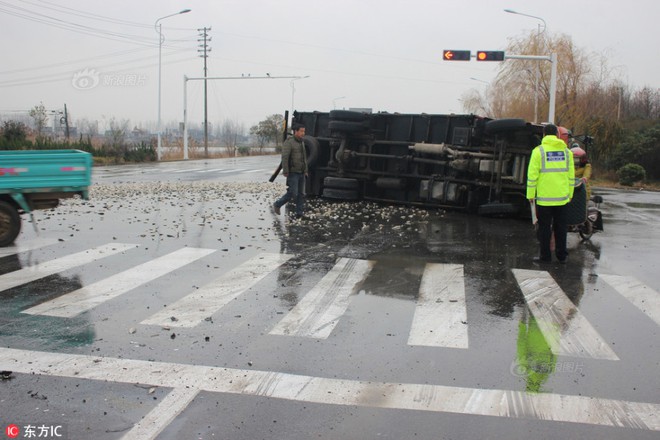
[(174, 304)]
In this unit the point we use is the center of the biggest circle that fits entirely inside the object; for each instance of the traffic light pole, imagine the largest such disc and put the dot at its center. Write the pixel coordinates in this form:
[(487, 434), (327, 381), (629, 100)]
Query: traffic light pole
[(185, 99), (553, 78)]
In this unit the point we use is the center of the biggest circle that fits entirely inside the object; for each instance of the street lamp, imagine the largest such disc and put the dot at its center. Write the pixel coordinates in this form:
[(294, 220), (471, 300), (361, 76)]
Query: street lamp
[(538, 67), (293, 91), (159, 28)]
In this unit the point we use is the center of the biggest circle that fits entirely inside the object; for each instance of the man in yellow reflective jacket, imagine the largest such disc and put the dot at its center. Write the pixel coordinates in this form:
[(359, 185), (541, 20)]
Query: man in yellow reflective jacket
[(550, 183)]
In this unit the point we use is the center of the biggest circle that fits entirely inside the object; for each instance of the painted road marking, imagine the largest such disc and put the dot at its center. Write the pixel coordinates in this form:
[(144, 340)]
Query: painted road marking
[(346, 392), (25, 246), (234, 170), (317, 314), (194, 308), (88, 297), (440, 318), (640, 295), (31, 273), (160, 417), (211, 170), (187, 170), (564, 327)]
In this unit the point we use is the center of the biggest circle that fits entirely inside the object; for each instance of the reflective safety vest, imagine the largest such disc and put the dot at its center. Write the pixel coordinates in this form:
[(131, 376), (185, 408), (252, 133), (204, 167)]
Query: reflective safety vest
[(551, 173)]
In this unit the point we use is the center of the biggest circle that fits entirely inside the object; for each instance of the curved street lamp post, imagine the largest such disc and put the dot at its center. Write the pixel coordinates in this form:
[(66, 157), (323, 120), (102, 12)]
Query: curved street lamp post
[(538, 67), (158, 28)]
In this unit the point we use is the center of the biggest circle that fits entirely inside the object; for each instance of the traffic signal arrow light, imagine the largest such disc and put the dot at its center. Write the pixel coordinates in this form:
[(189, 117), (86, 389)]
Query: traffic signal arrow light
[(456, 55), (490, 55)]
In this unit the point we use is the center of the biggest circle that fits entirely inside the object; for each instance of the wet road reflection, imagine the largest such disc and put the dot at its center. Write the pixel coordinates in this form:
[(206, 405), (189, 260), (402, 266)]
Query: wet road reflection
[(354, 292)]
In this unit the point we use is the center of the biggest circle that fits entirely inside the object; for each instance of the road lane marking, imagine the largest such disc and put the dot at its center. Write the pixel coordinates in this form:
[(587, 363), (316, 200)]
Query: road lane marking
[(440, 318), (564, 327), (90, 296), (639, 294), (25, 246), (195, 307), (163, 414), (41, 270), (211, 170), (233, 170), (317, 314), (187, 170), (346, 392), (256, 171)]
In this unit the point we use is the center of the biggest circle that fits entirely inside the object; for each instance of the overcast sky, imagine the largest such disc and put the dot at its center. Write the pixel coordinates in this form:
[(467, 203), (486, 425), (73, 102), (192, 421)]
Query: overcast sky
[(101, 58)]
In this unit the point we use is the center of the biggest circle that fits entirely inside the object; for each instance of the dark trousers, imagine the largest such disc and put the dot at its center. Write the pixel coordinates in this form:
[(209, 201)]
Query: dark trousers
[(295, 191), (552, 219)]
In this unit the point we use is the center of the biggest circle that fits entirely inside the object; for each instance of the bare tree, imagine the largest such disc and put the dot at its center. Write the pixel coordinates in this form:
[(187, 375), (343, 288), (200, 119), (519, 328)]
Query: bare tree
[(87, 127), (39, 117), (230, 133)]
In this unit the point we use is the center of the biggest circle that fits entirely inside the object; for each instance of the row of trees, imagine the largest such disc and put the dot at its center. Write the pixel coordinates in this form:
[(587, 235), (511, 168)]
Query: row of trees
[(591, 99), (123, 144)]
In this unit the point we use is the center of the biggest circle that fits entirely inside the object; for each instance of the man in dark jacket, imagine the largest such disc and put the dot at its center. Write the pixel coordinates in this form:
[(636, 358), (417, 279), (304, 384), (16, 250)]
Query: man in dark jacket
[(294, 168)]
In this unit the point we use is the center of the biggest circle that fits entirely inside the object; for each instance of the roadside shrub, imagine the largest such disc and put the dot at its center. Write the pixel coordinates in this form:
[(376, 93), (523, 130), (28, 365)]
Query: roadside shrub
[(13, 136), (631, 173)]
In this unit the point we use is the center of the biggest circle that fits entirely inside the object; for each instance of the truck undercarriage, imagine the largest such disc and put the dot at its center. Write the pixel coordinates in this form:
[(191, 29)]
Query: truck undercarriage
[(462, 162)]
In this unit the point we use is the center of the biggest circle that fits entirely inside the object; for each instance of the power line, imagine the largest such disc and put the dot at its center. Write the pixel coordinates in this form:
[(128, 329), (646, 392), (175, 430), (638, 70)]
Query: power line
[(38, 17)]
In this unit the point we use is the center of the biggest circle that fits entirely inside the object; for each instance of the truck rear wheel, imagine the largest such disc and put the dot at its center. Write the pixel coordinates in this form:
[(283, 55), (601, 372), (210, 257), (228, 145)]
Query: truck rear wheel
[(340, 194), (503, 125), (10, 224), (340, 183)]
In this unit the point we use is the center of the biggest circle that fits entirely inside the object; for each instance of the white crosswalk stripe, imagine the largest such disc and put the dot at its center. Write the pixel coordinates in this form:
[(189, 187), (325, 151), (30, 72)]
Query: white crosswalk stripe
[(439, 319), (88, 297), (564, 327), (194, 308), (640, 295), (26, 246), (440, 316), (317, 314), (42, 270)]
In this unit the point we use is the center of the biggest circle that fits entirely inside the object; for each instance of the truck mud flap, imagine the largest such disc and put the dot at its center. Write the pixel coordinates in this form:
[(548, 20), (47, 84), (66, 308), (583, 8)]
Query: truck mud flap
[(498, 209), (312, 148), (340, 194)]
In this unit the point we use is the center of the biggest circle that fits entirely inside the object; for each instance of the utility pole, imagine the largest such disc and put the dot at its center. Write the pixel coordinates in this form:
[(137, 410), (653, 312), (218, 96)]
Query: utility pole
[(66, 123), (204, 49)]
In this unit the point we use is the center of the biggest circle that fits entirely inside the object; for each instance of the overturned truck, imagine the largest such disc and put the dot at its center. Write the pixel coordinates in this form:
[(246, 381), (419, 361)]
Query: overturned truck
[(462, 162)]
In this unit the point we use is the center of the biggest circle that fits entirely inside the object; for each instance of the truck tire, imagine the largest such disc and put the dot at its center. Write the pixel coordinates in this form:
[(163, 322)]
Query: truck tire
[(10, 224), (502, 125), (340, 194), (347, 126), (347, 115), (312, 148), (341, 183)]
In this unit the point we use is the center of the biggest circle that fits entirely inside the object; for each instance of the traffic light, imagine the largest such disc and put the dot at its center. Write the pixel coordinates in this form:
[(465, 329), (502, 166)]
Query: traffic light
[(456, 55), (490, 55)]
